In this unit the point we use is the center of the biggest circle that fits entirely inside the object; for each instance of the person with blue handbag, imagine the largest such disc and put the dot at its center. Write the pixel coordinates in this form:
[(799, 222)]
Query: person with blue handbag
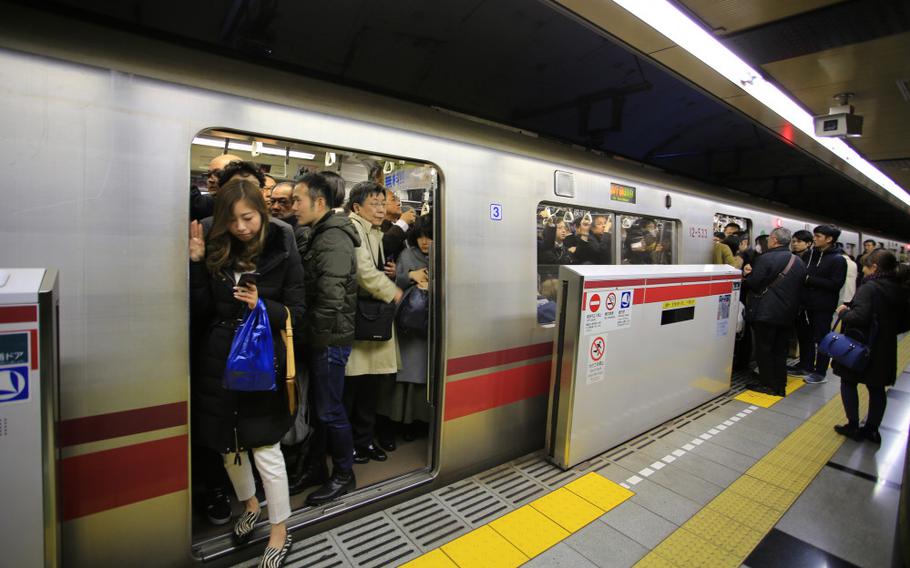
[(873, 320), (246, 279)]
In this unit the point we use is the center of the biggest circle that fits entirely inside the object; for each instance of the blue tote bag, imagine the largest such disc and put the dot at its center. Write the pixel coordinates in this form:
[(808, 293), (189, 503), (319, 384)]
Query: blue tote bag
[(251, 363)]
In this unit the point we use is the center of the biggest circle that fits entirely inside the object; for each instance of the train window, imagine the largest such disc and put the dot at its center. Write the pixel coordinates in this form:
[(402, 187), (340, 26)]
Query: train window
[(647, 240), (406, 418), (568, 235), (724, 223)]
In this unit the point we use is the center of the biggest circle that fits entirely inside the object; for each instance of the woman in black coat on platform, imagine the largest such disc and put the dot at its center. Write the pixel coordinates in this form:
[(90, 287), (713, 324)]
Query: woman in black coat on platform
[(243, 239), (881, 300)]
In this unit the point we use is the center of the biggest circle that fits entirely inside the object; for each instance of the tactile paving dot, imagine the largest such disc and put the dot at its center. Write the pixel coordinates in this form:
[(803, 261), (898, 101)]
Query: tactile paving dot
[(435, 558), (724, 533), (779, 476), (484, 547), (685, 549), (745, 511), (755, 489)]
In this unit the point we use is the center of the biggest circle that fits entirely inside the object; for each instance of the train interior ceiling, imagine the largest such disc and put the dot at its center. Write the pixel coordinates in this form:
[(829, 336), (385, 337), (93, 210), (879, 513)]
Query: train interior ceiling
[(414, 183)]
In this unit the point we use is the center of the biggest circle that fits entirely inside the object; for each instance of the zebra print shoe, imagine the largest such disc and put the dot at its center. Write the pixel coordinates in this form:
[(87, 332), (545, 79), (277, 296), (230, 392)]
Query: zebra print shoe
[(275, 557), (243, 528)]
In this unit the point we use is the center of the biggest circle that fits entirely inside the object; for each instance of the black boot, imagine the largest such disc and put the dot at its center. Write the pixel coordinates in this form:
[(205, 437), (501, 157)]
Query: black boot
[(307, 476), (340, 483), (849, 430)]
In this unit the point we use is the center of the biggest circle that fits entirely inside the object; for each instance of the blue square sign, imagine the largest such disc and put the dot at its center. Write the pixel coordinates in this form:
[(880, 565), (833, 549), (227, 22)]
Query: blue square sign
[(625, 300), (14, 384), (495, 212)]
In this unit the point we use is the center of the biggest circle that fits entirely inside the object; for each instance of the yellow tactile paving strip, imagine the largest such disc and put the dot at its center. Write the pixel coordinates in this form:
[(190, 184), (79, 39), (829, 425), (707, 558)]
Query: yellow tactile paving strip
[(515, 538), (726, 531), (723, 533)]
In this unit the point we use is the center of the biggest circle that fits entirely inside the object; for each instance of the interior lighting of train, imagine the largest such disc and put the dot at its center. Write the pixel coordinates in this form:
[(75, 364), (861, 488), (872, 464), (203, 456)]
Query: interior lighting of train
[(668, 20), (248, 147)]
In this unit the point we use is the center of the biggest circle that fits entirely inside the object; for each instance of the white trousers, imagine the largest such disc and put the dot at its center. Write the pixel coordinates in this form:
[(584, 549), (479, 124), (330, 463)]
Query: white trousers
[(270, 463)]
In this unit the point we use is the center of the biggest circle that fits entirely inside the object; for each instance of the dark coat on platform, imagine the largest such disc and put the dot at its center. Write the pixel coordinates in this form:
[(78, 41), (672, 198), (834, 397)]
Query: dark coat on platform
[(770, 298), (882, 300), (224, 420)]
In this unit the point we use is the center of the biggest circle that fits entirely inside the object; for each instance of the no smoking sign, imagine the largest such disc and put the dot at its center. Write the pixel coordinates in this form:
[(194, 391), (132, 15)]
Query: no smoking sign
[(611, 301)]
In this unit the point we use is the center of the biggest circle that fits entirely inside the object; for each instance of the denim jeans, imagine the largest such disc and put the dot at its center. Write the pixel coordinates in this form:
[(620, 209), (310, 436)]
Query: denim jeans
[(326, 367)]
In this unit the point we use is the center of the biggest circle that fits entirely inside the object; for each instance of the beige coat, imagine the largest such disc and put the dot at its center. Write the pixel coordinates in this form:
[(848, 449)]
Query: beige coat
[(372, 357)]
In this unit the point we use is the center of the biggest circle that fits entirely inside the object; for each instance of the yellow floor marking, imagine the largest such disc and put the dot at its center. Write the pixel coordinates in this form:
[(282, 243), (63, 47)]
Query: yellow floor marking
[(793, 384), (599, 490), (758, 398), (685, 549), (726, 531), (435, 558), (570, 511), (483, 548), (529, 530)]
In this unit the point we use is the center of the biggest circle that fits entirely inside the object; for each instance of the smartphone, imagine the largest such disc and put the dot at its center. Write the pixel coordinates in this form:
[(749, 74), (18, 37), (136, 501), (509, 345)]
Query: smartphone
[(247, 279)]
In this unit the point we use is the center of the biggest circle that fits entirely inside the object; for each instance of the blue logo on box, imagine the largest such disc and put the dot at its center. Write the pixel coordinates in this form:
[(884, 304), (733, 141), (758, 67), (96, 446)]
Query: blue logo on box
[(625, 301), (13, 384)]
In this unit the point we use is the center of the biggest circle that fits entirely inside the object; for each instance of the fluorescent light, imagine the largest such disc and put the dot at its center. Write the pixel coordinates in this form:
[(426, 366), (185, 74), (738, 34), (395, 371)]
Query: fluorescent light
[(679, 28), (243, 147)]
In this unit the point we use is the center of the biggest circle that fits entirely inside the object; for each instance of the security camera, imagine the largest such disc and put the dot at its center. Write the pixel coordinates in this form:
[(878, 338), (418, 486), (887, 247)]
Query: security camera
[(840, 121)]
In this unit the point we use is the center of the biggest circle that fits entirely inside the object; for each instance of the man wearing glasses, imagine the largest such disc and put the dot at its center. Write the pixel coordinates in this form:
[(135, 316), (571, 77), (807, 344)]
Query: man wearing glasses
[(281, 206), (202, 205)]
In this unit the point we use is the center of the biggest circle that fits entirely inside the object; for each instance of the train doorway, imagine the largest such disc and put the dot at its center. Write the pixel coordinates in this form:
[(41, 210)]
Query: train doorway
[(405, 429)]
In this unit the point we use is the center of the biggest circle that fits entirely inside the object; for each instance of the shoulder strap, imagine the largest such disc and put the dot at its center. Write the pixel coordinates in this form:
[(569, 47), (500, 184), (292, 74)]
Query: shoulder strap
[(781, 274)]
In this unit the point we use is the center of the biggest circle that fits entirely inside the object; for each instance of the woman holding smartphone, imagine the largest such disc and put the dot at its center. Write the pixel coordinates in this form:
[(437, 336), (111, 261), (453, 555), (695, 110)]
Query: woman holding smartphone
[(245, 257)]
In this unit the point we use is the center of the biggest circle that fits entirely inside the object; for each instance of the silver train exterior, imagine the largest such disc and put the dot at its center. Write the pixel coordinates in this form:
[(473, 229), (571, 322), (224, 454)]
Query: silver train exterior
[(95, 146)]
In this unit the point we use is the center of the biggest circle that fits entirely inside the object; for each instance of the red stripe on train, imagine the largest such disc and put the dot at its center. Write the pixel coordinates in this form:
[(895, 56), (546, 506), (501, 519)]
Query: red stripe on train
[(123, 423), (484, 392), (100, 481), (470, 363), (19, 314)]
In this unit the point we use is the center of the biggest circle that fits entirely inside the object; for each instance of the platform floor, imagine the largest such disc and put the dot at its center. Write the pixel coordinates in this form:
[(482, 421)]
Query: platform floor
[(743, 480)]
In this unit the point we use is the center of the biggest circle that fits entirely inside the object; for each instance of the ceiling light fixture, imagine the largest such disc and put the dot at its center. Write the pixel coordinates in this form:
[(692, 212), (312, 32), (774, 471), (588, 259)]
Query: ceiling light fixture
[(243, 147), (679, 28)]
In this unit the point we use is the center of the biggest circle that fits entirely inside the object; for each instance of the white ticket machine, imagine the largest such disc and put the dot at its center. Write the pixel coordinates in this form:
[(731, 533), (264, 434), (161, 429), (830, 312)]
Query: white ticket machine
[(29, 409), (635, 347)]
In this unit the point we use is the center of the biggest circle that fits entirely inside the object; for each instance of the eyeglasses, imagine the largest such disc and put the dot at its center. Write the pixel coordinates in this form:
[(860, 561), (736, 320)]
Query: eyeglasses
[(214, 173), (282, 201)]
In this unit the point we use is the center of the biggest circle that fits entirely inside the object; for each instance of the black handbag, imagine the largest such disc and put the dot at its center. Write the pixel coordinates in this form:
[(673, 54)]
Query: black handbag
[(374, 318)]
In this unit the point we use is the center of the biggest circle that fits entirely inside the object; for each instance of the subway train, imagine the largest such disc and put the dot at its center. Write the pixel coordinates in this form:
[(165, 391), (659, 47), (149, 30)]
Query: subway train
[(98, 151)]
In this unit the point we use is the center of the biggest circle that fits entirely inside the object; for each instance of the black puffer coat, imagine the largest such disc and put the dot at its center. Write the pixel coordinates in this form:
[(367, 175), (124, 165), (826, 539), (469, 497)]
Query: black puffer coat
[(826, 272), (771, 298), (330, 269), (224, 420), (883, 300)]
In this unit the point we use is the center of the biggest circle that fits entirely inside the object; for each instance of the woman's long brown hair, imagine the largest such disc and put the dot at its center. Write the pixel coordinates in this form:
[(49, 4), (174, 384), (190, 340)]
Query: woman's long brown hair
[(224, 250)]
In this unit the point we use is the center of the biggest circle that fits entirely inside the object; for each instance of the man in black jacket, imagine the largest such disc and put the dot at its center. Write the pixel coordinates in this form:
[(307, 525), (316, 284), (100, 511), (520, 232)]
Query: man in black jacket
[(773, 289), (330, 281), (826, 270)]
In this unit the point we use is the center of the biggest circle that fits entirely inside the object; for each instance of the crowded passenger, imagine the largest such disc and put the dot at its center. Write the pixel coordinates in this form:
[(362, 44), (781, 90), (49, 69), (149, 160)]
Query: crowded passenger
[(826, 270), (394, 228), (718, 236), (731, 229), (773, 287), (371, 358), (403, 399), (878, 312), (268, 185), (801, 243), (868, 248), (338, 189), (642, 243), (202, 205), (243, 240), (281, 206), (725, 252), (602, 238), (553, 249), (330, 279)]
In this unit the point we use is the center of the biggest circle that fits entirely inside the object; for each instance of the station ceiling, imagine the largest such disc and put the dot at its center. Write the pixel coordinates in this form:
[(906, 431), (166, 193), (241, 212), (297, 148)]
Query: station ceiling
[(587, 73)]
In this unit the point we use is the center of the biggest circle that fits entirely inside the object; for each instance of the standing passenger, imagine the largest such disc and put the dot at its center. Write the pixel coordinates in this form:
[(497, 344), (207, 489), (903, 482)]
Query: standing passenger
[(243, 239), (773, 288), (394, 228), (280, 204), (201, 206), (876, 315), (800, 244), (370, 361), (825, 274), (330, 277)]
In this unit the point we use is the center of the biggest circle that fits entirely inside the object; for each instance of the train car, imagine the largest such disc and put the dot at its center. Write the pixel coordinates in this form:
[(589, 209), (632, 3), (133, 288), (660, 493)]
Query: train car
[(98, 144)]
